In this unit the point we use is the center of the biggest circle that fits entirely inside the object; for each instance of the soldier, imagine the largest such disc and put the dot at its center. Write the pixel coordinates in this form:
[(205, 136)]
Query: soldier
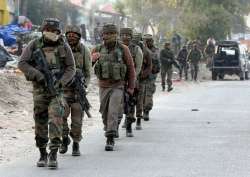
[(83, 65), (194, 57), (167, 60), (143, 79), (150, 86), (48, 106), (176, 41), (113, 67), (209, 52), (182, 59), (126, 35)]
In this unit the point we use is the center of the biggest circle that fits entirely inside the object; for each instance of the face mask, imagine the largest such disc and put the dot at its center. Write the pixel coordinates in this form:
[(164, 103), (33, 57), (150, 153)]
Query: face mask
[(51, 36)]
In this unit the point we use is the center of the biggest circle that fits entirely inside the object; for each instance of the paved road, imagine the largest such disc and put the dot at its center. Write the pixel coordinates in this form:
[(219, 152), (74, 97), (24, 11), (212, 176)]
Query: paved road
[(213, 140)]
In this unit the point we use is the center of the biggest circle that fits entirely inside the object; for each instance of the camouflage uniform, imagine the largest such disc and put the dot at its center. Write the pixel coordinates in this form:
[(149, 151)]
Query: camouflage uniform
[(136, 52), (143, 79), (167, 60), (209, 53), (194, 57), (150, 86), (113, 68), (83, 64), (48, 109), (182, 59)]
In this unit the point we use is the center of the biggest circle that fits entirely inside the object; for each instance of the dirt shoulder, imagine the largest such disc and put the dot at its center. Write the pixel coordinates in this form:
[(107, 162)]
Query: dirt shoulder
[(16, 116)]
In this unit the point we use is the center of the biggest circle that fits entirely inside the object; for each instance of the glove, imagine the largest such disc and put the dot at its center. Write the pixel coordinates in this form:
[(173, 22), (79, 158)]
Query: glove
[(40, 78)]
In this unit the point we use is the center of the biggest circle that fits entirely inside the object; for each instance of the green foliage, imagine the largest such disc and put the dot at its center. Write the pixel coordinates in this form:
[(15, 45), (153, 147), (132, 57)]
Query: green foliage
[(193, 18), (214, 21)]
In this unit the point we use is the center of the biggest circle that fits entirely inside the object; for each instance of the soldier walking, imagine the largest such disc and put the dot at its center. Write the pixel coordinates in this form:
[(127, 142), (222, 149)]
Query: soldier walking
[(83, 65), (167, 61), (194, 58), (182, 59), (209, 52), (114, 67), (126, 35), (150, 86), (48, 62), (143, 79)]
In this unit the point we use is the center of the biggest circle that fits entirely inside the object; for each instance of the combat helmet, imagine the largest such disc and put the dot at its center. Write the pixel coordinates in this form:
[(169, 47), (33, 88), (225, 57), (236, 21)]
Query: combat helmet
[(148, 36), (52, 23), (128, 31), (74, 29), (137, 36), (109, 28)]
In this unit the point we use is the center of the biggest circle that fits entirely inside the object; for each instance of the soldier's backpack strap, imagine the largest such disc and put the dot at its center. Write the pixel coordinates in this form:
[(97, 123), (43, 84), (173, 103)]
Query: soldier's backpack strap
[(120, 48), (38, 43)]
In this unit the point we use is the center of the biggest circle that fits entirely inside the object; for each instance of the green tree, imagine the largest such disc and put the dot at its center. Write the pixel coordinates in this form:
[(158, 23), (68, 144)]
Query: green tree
[(193, 18)]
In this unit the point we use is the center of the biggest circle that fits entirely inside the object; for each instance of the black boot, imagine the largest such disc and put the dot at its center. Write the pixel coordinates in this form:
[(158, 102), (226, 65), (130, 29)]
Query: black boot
[(64, 145), (52, 164), (163, 88), (170, 88), (138, 124), (129, 132), (110, 143), (75, 149), (42, 162), (146, 115)]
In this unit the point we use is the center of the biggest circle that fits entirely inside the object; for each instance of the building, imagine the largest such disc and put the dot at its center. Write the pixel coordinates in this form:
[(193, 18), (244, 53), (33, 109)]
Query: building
[(7, 11)]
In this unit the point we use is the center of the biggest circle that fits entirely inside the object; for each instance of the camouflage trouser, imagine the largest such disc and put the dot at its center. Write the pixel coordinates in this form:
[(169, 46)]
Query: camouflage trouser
[(48, 113), (194, 71), (166, 72), (74, 108), (130, 116), (145, 97), (111, 107)]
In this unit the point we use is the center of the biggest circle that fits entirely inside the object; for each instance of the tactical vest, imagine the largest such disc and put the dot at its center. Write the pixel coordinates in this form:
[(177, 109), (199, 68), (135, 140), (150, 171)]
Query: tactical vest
[(55, 57), (110, 66), (156, 66)]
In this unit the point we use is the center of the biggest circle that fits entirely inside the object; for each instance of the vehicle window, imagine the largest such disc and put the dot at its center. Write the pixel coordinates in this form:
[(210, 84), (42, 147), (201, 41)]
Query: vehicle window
[(228, 51)]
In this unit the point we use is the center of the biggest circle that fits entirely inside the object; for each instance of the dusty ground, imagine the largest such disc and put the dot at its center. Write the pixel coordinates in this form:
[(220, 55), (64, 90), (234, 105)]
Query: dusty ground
[(16, 114)]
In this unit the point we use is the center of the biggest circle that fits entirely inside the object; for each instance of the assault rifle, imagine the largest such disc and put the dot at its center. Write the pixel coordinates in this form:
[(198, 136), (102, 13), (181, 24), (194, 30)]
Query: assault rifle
[(129, 101), (42, 65), (80, 88)]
